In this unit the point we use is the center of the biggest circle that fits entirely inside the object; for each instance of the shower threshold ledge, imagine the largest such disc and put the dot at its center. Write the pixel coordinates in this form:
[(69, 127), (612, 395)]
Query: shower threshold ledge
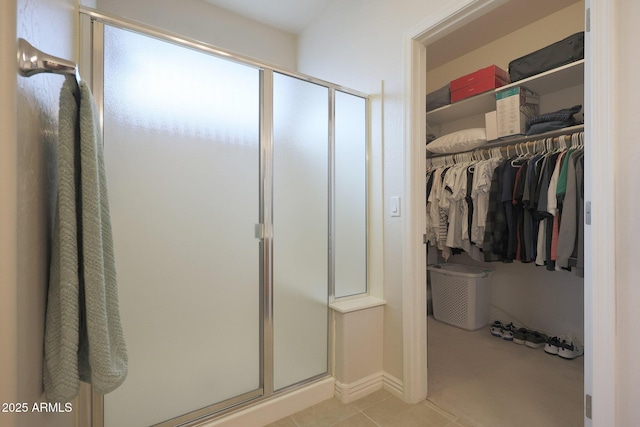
[(356, 303)]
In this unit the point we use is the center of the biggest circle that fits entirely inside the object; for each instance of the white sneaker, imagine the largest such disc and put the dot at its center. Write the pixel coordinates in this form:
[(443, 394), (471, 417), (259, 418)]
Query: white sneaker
[(570, 350), (553, 345), (496, 329), (507, 332)]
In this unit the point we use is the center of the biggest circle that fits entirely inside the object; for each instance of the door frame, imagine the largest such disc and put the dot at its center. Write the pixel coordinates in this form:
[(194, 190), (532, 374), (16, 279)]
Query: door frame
[(599, 302)]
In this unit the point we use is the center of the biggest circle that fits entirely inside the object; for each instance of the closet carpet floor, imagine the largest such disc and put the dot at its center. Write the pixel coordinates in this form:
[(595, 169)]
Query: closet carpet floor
[(497, 383)]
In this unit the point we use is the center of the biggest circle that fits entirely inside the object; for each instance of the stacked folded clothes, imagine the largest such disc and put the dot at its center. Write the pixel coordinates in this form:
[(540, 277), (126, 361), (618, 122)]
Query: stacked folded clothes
[(552, 121)]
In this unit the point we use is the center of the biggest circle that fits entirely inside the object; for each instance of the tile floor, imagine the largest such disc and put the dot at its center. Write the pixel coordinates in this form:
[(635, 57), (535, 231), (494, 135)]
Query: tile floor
[(379, 409)]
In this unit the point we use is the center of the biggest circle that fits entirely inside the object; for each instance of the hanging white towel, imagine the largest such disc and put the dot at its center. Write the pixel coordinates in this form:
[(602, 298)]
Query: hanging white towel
[(83, 333)]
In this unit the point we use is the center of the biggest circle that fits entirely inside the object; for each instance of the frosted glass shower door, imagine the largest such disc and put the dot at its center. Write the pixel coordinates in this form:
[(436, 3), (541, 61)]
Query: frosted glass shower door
[(350, 197), (300, 229), (182, 154)]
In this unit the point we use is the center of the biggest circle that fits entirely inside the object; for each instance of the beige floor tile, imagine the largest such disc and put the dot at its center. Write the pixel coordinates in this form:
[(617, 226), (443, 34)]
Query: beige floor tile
[(438, 409), (325, 413), (493, 382), (357, 420), (393, 412), (372, 399), (285, 422), (465, 422)]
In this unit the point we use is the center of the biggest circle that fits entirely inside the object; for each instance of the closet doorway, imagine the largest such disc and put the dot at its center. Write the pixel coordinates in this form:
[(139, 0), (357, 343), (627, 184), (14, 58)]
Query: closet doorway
[(598, 320)]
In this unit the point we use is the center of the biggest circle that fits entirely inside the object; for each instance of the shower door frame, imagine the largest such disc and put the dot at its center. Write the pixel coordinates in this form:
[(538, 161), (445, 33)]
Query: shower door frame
[(92, 24)]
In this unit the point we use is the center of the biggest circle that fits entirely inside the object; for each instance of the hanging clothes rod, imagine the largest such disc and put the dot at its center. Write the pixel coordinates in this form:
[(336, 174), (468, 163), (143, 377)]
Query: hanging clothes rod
[(533, 145), (33, 61), (536, 145)]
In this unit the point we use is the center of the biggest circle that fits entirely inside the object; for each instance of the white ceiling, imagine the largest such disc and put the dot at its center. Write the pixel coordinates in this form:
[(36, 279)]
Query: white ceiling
[(287, 15)]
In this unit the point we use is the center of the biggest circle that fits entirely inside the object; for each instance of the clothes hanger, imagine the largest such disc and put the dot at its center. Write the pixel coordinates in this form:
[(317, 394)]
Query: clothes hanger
[(549, 145), (575, 141), (521, 155), (579, 140)]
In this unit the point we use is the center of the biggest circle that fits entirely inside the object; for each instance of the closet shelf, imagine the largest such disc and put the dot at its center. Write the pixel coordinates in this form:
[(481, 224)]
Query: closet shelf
[(550, 81), (517, 139)]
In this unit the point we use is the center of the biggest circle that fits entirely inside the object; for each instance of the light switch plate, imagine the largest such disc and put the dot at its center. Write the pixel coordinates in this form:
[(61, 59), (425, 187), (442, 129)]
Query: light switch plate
[(395, 206)]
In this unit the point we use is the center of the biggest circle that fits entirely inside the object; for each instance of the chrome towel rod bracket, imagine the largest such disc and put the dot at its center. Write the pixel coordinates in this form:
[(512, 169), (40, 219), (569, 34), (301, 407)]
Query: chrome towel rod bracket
[(33, 61)]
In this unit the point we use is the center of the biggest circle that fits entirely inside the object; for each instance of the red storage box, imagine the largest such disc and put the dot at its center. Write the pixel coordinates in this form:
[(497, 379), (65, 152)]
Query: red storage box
[(476, 88), (477, 76)]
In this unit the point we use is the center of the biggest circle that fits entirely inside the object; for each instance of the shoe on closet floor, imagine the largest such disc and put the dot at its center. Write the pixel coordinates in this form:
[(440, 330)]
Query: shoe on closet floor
[(496, 329), (520, 335), (507, 331), (553, 345), (570, 350), (535, 339)]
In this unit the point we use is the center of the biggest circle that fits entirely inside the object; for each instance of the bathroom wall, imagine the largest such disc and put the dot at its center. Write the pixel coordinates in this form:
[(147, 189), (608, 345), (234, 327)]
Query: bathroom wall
[(8, 219), (28, 113)]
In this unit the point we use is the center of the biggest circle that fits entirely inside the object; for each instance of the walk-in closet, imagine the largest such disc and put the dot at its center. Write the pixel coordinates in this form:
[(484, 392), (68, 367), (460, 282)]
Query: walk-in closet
[(490, 347)]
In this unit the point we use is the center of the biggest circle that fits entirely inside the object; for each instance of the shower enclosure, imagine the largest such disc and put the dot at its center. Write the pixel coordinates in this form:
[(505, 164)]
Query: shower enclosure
[(238, 205)]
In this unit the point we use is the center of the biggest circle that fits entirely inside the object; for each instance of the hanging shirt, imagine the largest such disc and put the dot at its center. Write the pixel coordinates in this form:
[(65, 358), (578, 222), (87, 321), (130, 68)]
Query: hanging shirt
[(509, 177), (529, 205), (562, 178), (580, 188), (434, 210), (454, 183), (494, 244), (552, 206), (428, 226), (480, 196), (568, 235), (543, 249)]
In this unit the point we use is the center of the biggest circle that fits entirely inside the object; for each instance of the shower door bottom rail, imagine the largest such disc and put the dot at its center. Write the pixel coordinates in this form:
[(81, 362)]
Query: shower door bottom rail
[(197, 417)]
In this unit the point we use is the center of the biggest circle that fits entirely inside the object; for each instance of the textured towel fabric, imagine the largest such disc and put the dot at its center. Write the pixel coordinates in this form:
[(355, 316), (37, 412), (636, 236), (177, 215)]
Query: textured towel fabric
[(83, 334)]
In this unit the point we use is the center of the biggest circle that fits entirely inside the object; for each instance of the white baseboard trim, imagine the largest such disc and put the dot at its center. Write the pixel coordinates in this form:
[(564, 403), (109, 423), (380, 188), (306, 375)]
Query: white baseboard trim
[(393, 385), (277, 408), (280, 407), (347, 393)]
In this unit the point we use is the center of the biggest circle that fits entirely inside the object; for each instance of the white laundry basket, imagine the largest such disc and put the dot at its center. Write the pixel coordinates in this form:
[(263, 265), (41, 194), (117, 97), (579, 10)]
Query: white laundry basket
[(461, 295)]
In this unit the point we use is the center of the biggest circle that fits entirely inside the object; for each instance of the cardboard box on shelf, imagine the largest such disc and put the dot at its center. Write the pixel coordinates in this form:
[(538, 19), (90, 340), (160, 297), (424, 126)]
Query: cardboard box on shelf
[(514, 107), (491, 125)]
